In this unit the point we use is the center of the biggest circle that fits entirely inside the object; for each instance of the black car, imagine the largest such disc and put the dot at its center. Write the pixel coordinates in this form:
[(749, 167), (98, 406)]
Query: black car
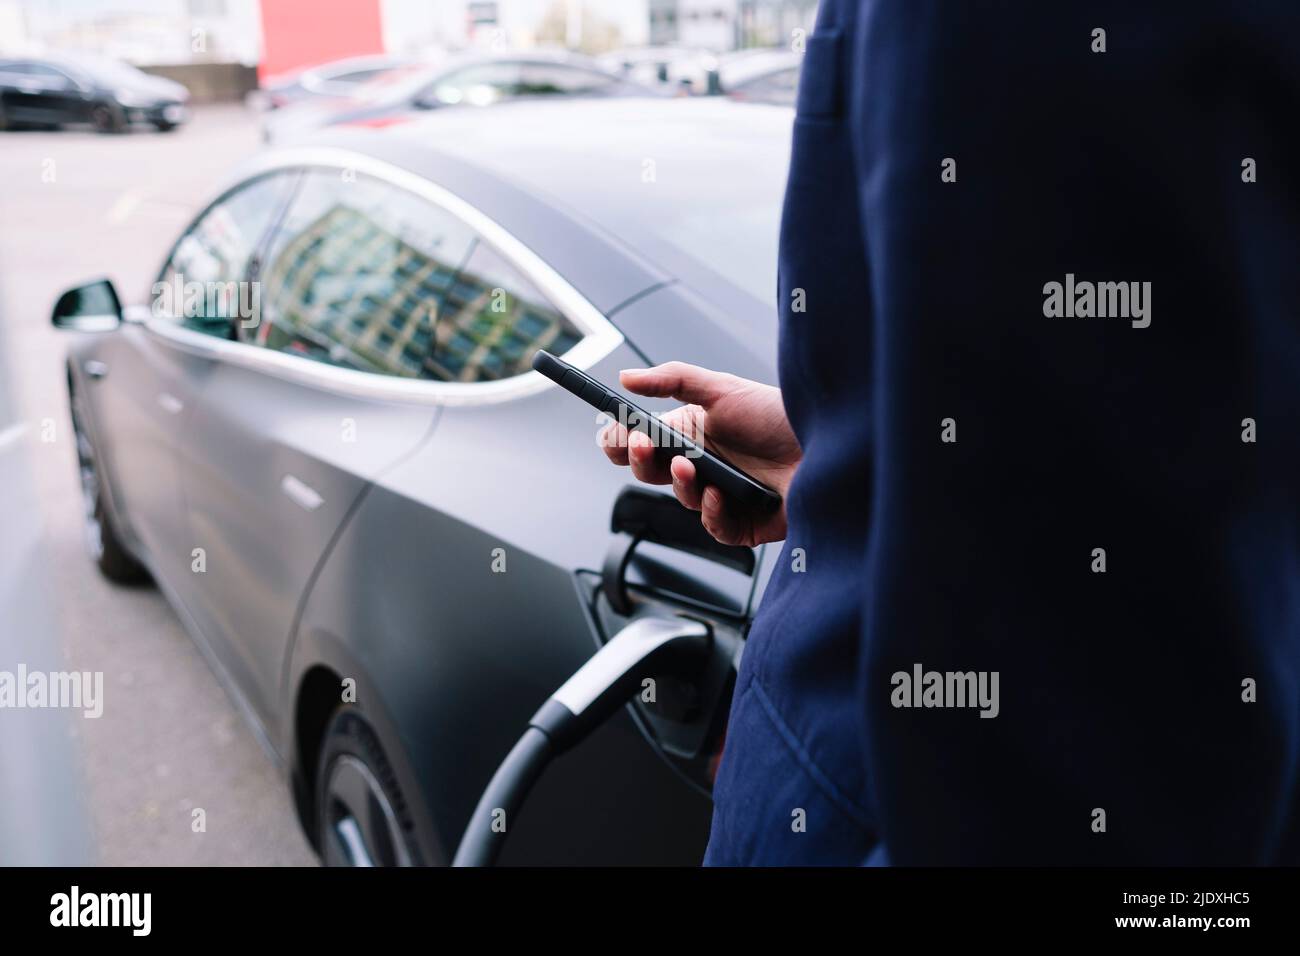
[(110, 95)]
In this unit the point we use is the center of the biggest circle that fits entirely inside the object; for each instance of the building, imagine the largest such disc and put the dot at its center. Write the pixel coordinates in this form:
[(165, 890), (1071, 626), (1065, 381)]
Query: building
[(728, 24)]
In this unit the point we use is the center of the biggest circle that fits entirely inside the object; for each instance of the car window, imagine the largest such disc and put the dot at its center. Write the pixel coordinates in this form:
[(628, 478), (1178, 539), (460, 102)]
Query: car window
[(555, 79), (366, 276), (493, 322), (358, 76), (45, 72), (206, 284), (479, 85)]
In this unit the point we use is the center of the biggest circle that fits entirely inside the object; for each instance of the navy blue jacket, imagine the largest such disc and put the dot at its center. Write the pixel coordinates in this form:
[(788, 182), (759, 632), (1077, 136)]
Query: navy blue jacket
[(1098, 529)]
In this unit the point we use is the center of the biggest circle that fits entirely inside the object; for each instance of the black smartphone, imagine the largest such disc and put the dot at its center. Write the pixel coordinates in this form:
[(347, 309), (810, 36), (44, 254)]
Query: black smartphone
[(738, 488)]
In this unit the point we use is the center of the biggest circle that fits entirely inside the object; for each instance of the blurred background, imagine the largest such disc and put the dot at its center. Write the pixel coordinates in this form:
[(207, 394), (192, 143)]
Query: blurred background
[(222, 49), (118, 120)]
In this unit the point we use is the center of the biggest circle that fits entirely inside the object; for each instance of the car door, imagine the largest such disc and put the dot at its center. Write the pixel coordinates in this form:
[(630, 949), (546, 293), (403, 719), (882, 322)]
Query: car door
[(21, 92), (143, 383), (311, 404), (12, 76), (49, 95)]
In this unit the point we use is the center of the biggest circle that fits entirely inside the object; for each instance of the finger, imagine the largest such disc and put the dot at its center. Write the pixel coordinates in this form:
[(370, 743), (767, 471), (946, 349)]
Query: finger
[(646, 465), (685, 487), (686, 383), (717, 521), (613, 440)]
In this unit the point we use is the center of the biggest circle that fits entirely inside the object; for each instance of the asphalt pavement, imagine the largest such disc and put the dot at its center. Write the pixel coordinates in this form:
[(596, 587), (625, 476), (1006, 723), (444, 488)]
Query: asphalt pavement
[(76, 206)]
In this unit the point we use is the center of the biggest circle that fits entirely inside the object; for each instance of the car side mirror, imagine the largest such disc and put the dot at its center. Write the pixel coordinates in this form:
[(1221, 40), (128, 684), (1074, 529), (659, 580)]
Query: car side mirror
[(93, 307), (427, 99)]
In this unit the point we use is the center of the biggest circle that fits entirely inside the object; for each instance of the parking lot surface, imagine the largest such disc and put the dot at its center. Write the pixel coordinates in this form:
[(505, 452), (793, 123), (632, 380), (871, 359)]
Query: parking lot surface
[(75, 206)]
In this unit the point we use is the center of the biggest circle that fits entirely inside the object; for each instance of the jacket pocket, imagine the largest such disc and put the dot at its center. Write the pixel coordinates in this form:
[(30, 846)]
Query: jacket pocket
[(821, 78)]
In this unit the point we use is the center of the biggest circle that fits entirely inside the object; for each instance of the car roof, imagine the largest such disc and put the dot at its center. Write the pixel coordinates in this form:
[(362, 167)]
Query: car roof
[(456, 61), (96, 66), (638, 169)]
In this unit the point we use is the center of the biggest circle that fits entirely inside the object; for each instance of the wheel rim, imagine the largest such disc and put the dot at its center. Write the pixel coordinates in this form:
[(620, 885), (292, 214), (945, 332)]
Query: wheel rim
[(103, 118), (360, 827), (89, 478)]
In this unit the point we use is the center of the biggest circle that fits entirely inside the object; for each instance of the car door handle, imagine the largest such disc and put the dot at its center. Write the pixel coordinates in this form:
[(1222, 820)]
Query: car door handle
[(301, 493), (170, 403), (95, 368)]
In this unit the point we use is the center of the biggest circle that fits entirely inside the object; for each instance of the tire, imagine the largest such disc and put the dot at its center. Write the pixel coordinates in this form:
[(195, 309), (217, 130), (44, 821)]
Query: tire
[(163, 126), (107, 118), (103, 540), (362, 818)]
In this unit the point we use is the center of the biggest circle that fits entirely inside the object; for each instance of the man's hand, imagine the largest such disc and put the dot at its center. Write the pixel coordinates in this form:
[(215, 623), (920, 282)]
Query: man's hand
[(741, 420)]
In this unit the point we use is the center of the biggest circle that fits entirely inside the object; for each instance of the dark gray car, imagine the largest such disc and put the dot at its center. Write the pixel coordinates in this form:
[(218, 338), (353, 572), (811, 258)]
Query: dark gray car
[(82, 88), (393, 539)]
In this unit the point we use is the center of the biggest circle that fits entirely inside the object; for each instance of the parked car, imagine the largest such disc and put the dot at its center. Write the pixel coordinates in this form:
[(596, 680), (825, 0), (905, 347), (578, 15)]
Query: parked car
[(326, 80), (391, 538), (467, 79), (51, 92), (761, 76), (683, 69)]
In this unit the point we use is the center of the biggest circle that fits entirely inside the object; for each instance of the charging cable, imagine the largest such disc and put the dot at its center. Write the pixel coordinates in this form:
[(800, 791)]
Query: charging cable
[(584, 702)]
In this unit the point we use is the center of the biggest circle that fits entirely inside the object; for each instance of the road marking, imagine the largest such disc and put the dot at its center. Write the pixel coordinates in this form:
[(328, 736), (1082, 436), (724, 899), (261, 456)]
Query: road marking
[(126, 204)]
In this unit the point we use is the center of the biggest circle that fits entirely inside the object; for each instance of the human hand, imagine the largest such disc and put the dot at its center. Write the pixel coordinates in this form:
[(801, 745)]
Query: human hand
[(742, 420)]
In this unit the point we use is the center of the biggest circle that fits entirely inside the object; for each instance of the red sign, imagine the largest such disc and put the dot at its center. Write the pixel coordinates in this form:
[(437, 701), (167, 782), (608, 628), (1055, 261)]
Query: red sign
[(302, 33)]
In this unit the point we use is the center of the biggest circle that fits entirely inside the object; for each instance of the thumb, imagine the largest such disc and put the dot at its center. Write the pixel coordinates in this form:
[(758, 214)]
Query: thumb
[(686, 383)]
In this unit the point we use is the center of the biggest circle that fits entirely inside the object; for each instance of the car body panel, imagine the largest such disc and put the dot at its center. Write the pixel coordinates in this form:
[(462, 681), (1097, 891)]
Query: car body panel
[(143, 397), (36, 92), (270, 470), (491, 622)]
